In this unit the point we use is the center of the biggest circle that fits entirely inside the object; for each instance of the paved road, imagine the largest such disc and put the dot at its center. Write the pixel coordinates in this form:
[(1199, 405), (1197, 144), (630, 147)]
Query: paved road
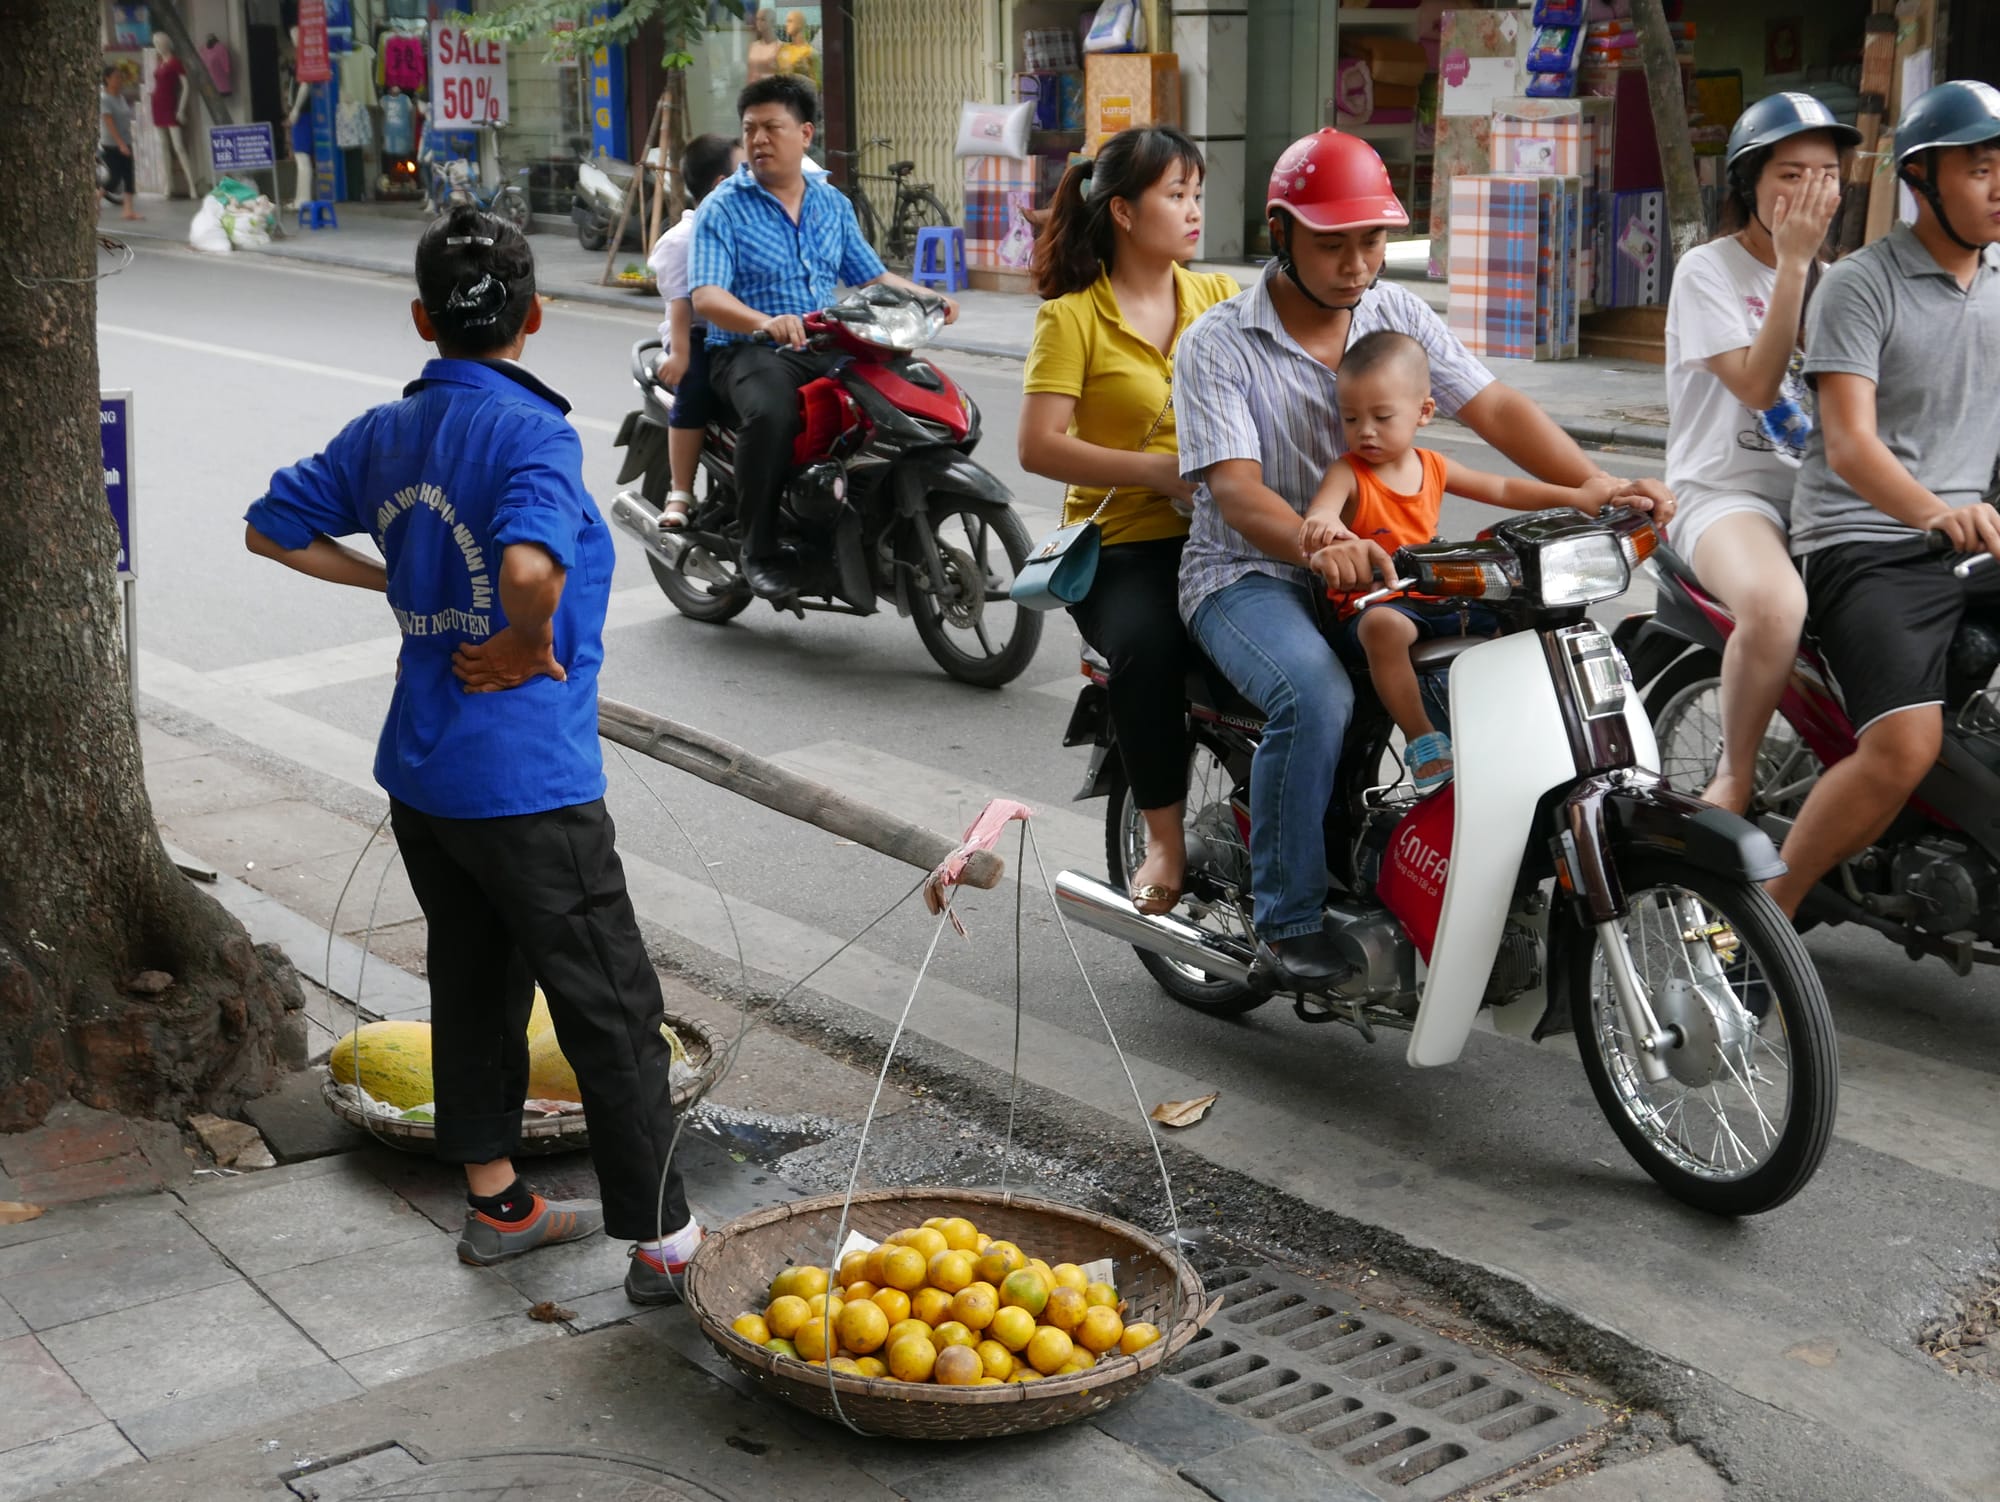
[(1786, 1343)]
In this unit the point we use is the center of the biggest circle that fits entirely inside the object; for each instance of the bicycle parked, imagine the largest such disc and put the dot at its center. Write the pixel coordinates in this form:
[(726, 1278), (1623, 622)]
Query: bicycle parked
[(917, 205), (455, 180)]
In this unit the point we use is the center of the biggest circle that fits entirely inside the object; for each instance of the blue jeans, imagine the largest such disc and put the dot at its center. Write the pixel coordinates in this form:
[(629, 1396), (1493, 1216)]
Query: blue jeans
[(1260, 632)]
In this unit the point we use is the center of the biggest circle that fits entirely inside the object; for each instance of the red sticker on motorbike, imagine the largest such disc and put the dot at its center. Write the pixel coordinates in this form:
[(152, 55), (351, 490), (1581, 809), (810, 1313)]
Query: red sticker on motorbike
[(1413, 871)]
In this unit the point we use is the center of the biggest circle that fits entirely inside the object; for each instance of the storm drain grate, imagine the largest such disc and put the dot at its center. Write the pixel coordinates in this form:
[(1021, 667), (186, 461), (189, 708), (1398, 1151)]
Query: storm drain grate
[(1420, 1413)]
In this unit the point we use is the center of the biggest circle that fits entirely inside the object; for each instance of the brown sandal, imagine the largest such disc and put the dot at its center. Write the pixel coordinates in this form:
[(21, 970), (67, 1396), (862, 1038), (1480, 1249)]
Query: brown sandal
[(1167, 898)]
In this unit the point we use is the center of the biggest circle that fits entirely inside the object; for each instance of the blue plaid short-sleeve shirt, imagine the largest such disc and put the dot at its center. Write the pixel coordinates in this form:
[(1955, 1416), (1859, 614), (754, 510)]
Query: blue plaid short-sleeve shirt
[(746, 244)]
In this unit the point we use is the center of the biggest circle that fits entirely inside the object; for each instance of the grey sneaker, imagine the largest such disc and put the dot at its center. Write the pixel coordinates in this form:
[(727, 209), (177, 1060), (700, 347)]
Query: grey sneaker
[(484, 1242), (647, 1283)]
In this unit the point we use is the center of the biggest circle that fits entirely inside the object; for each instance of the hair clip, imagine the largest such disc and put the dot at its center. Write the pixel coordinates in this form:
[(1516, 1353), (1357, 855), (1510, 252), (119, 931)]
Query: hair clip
[(478, 304), (468, 239)]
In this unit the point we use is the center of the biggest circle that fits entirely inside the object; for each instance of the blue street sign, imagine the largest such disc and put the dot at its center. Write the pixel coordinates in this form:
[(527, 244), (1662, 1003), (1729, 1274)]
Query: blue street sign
[(114, 430), (242, 148)]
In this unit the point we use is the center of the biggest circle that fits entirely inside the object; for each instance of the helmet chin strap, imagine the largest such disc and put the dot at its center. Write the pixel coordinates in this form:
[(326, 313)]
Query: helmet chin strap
[(1291, 270), (1927, 190)]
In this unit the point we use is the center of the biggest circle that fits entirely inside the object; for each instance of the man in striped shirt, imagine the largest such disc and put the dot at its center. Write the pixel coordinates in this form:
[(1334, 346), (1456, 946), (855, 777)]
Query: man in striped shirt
[(771, 244), (1255, 392)]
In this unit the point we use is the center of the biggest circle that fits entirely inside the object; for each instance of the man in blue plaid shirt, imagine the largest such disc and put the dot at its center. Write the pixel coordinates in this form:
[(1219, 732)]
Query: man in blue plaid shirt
[(771, 244)]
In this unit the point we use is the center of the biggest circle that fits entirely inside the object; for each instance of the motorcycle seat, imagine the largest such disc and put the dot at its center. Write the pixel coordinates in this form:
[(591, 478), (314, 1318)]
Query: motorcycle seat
[(1208, 689), (1674, 566), (1438, 654)]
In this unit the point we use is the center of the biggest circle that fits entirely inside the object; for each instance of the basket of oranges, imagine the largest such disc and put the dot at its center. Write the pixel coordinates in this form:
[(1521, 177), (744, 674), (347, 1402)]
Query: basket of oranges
[(952, 1313)]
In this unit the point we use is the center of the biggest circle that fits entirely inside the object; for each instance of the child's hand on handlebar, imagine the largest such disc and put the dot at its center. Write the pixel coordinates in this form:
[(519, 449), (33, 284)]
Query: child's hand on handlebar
[(784, 329), (1318, 532), (1599, 491)]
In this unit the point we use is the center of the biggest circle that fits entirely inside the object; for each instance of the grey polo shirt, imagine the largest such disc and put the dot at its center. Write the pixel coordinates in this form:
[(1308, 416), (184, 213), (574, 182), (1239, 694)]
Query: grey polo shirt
[(1244, 388), (1890, 313)]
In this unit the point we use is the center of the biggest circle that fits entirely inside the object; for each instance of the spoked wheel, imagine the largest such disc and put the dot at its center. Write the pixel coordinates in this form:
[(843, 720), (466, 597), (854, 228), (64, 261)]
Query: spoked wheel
[(921, 209), (972, 628), (511, 204), (704, 586), (1746, 1111), (1210, 817), (1685, 706)]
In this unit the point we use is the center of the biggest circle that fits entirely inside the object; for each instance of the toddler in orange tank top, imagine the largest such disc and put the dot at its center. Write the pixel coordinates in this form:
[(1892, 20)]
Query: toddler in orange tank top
[(1387, 490)]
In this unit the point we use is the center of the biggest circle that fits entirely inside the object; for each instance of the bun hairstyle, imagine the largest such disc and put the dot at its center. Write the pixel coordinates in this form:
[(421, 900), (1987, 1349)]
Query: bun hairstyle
[(476, 279), (1079, 241)]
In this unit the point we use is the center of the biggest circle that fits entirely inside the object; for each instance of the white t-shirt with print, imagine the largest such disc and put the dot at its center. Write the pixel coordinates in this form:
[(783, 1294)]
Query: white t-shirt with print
[(1714, 442), (669, 264)]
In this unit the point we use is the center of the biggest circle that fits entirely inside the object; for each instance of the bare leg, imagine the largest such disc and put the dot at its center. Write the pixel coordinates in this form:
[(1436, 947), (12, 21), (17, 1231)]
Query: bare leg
[(683, 458), (489, 1179), (1165, 864), (1743, 561), (1387, 636), (1855, 801)]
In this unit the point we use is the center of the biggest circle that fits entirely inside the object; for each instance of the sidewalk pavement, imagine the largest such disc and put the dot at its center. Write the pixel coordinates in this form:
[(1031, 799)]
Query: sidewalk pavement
[(169, 1330), (1604, 402)]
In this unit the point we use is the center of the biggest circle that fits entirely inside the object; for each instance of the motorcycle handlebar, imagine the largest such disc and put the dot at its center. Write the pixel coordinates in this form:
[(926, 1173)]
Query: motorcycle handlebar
[(643, 362), (1965, 568)]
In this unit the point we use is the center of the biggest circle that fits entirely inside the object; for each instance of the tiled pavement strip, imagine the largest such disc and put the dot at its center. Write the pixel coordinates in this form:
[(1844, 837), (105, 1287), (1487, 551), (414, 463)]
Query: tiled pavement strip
[(213, 1328)]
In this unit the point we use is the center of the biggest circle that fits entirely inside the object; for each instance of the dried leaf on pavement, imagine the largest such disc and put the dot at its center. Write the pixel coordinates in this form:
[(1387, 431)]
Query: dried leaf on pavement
[(13, 1212), (549, 1312), (1183, 1113)]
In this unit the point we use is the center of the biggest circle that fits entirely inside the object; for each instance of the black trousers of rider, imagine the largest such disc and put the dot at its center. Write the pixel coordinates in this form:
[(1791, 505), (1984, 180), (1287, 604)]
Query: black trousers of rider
[(542, 896), (762, 385), (1132, 615)]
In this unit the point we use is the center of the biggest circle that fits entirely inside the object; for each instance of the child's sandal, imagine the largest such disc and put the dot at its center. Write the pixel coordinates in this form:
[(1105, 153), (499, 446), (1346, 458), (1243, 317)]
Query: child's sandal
[(674, 516), (1424, 751)]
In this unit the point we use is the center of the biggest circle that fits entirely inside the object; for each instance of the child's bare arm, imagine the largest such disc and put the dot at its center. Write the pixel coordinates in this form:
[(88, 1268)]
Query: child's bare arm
[(1519, 493), (1325, 520)]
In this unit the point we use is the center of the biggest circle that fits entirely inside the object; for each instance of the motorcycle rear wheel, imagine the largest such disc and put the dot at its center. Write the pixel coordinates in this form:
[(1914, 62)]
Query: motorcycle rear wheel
[(1685, 705), (1710, 1142), (592, 236), (975, 538), (511, 204), (1125, 847)]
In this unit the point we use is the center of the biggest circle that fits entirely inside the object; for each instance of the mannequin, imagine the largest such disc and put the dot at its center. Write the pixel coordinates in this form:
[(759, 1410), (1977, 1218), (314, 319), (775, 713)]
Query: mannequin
[(170, 105), (299, 119), (762, 60)]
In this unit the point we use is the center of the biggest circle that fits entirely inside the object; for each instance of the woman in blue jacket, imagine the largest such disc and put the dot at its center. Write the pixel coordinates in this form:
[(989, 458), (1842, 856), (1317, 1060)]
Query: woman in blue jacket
[(498, 571)]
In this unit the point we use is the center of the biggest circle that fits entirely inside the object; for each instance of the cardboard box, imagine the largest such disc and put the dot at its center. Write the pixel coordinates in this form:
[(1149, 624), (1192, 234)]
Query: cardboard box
[(1124, 89), (1495, 251), (1481, 57), (1567, 138)]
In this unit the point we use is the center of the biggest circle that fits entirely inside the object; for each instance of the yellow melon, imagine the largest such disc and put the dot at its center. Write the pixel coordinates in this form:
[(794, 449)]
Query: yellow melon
[(394, 1061), (549, 1074)]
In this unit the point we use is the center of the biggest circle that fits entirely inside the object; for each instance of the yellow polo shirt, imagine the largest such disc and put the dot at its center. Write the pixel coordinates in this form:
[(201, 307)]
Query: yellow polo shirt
[(1084, 348)]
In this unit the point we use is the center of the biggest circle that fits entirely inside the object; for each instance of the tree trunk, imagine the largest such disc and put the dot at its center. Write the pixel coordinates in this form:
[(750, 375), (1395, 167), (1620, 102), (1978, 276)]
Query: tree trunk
[(167, 17), (120, 984), (1686, 226)]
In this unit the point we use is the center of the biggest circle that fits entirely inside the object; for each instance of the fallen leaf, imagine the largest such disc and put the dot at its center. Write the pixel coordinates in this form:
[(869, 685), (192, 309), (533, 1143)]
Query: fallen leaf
[(1183, 1113), (13, 1212), (549, 1312)]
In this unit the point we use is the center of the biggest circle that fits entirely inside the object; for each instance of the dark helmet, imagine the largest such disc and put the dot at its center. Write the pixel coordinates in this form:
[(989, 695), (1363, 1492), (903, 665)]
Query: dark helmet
[(1778, 117), (1963, 112)]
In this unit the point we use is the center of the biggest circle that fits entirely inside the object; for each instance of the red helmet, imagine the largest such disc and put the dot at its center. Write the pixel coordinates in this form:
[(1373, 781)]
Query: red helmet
[(1330, 180)]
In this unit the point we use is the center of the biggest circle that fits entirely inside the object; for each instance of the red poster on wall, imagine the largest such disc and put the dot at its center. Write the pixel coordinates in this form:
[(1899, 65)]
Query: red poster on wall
[(313, 64)]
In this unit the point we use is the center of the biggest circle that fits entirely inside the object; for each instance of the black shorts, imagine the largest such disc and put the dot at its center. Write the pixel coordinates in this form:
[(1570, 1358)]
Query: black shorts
[(118, 171), (693, 399), (1433, 619), (1885, 615)]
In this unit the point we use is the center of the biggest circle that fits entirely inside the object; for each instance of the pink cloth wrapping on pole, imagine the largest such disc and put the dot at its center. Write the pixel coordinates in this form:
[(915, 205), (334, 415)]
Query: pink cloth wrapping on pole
[(983, 835)]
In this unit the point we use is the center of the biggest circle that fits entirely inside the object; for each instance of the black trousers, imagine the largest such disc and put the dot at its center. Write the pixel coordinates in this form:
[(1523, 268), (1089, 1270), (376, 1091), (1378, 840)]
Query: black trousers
[(761, 384), (542, 896), (1132, 615)]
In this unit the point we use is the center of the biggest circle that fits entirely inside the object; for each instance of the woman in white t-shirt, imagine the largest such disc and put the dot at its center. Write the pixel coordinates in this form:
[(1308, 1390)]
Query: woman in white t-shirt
[(1739, 410)]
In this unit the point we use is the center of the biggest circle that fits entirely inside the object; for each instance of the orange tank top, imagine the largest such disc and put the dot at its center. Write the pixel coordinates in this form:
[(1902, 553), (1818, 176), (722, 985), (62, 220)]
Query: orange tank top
[(1393, 518)]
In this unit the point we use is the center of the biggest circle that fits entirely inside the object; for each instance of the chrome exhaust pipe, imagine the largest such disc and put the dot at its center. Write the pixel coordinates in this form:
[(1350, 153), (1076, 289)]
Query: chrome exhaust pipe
[(638, 516), (1109, 911)]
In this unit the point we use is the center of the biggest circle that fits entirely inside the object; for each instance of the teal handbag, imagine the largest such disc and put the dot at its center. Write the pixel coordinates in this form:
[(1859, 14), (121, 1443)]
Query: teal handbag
[(1061, 570)]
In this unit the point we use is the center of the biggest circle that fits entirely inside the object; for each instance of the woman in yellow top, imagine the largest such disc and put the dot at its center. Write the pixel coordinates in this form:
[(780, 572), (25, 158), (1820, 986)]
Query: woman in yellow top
[(1112, 266)]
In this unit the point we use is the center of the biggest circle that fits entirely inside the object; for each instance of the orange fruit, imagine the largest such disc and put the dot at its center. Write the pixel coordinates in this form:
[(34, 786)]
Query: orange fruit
[(871, 1366), (816, 1340), (960, 1234), (931, 1305), (860, 1288), (1101, 1293), (1048, 1273), (1101, 1329), (807, 1281), (1025, 1289), (996, 1358), (1025, 1373), (1065, 1310), (991, 1290), (926, 1239), (958, 1366), (988, 1382), (998, 1260), (1137, 1337), (950, 1271), (952, 1333), (863, 1327), (786, 1283), (752, 1328), (852, 1267), (785, 1315), (974, 1307), (936, 1222), (1050, 1350), (912, 1359), (982, 1244), (782, 1348), (1069, 1275), (904, 1327), (903, 1267), (1013, 1328), (871, 1269), (892, 1302), (820, 1302)]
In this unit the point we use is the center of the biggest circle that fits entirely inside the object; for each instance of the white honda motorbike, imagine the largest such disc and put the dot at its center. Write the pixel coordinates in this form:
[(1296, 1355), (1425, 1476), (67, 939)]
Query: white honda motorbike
[(1555, 881)]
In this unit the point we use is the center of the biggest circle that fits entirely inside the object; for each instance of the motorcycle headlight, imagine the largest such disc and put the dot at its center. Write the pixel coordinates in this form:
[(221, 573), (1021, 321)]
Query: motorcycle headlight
[(903, 328), (1583, 570)]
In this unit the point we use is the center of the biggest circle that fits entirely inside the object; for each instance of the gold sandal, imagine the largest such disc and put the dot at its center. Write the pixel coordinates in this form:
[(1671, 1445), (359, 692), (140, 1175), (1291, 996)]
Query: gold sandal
[(1167, 897)]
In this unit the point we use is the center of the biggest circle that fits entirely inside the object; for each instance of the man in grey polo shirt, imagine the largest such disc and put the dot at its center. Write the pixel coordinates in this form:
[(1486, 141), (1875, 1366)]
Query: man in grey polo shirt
[(1903, 344), (1256, 399)]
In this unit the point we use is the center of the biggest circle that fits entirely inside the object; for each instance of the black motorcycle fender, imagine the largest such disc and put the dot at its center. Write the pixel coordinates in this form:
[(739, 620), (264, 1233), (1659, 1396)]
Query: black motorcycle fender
[(1090, 725), (943, 471), (645, 444), (1605, 819)]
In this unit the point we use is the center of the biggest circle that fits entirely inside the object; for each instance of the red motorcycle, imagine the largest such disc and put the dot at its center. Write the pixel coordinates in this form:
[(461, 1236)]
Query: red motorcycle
[(1932, 882), (885, 501)]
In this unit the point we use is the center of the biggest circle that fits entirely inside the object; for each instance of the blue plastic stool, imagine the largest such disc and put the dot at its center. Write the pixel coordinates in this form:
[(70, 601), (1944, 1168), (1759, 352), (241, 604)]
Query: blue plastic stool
[(940, 259), (318, 214)]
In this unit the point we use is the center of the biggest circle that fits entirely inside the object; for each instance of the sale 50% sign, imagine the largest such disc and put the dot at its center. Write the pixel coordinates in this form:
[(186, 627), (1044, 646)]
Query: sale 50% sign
[(468, 77)]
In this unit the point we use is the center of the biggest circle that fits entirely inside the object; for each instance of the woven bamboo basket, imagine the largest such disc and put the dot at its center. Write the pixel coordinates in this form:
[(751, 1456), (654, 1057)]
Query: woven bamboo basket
[(733, 1270), (545, 1136)]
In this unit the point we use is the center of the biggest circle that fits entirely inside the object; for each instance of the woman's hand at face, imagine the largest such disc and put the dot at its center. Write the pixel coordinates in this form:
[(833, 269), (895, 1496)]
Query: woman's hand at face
[(1801, 218)]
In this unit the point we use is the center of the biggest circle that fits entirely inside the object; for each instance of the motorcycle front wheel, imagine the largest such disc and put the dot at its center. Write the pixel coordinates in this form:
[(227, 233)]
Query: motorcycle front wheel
[(1685, 705), (1745, 1115), (972, 628)]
